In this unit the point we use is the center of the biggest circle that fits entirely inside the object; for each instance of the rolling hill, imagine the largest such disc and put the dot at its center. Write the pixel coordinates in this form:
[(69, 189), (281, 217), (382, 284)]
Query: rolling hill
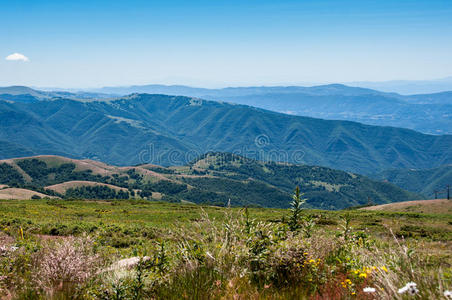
[(22, 194), (169, 130), (214, 178)]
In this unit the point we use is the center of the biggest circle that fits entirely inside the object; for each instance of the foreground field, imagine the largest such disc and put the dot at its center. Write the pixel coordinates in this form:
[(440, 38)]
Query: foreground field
[(140, 249)]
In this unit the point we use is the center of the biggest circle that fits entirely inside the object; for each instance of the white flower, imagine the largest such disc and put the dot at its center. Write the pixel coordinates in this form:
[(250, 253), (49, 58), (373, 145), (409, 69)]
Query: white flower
[(369, 290), (409, 288), (448, 294)]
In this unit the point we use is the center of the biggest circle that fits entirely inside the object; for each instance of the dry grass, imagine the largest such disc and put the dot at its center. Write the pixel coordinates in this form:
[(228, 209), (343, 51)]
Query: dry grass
[(20, 194), (436, 206)]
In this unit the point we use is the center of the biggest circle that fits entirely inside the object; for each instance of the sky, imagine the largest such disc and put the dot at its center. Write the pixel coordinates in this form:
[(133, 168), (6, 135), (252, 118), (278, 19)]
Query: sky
[(90, 43)]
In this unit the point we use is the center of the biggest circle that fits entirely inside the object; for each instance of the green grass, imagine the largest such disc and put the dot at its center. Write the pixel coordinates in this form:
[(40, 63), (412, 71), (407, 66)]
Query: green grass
[(39, 215), (126, 224), (133, 212), (207, 252)]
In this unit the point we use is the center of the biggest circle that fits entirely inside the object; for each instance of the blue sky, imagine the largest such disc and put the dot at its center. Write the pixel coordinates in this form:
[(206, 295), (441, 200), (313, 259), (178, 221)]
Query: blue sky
[(222, 43)]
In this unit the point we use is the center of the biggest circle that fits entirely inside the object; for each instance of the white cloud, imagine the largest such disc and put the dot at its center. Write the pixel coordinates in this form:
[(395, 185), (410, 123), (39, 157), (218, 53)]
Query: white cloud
[(17, 56)]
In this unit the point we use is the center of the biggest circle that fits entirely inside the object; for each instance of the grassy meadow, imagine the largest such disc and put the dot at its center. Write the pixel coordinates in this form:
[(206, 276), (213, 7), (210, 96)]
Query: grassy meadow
[(135, 249)]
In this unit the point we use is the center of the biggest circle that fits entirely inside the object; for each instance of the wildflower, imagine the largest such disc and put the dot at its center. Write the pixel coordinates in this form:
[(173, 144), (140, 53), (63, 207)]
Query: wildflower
[(369, 290), (311, 261), (384, 269), (363, 275), (448, 294), (409, 288)]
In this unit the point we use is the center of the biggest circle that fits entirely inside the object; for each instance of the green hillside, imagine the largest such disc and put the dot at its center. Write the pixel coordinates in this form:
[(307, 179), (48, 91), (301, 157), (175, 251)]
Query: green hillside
[(168, 130), (215, 178), (425, 182)]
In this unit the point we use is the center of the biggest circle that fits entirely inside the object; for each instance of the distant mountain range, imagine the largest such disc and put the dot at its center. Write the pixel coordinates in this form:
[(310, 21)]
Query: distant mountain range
[(170, 130), (213, 178), (408, 87), (427, 113), (26, 95)]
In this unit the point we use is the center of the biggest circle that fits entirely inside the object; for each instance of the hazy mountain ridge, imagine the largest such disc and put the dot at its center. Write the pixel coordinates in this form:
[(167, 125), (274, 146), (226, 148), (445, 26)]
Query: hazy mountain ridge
[(409, 87), (26, 94)]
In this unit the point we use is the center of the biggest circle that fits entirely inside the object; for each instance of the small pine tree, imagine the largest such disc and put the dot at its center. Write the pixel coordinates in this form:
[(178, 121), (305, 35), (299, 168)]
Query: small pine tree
[(296, 208)]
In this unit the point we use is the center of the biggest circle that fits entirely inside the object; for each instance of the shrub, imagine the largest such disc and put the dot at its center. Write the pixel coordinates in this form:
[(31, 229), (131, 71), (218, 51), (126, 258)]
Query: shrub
[(63, 266)]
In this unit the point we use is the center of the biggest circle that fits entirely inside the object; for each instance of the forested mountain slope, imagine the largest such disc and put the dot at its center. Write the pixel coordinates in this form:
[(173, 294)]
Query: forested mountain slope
[(169, 130)]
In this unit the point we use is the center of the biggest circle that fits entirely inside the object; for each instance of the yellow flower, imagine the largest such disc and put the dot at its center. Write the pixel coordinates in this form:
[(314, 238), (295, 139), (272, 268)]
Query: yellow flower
[(384, 268), (311, 261), (363, 275)]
